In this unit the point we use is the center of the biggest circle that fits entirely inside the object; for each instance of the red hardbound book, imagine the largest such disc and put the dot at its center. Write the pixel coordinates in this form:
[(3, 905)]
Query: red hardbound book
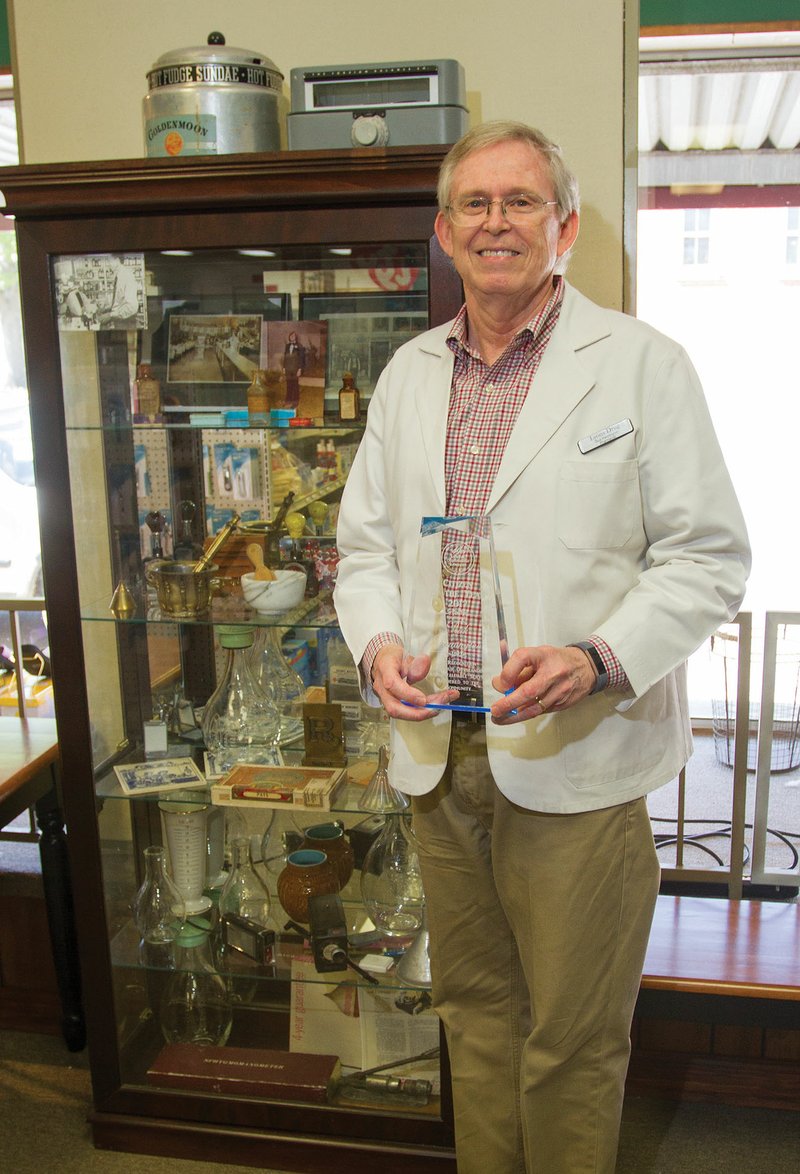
[(246, 1072)]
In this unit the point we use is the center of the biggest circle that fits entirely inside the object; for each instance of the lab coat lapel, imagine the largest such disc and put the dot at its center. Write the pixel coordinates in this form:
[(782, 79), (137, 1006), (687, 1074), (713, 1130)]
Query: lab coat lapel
[(432, 401), (561, 382)]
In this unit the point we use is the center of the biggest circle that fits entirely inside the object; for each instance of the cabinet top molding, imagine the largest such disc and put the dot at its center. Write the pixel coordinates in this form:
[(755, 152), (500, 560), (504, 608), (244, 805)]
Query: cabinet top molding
[(373, 176)]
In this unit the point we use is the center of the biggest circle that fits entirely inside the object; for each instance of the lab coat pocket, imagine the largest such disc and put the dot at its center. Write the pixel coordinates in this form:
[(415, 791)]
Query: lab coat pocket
[(598, 504), (603, 748)]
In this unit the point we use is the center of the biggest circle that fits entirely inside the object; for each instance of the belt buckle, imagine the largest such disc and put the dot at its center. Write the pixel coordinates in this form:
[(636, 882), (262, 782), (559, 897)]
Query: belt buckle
[(469, 697)]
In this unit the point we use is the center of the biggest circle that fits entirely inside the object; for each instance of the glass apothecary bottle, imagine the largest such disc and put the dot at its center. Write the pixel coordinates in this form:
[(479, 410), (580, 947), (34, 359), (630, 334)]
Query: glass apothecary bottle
[(244, 893), (258, 398), (195, 1006), (240, 721), (279, 680), (147, 395), (349, 398), (158, 911)]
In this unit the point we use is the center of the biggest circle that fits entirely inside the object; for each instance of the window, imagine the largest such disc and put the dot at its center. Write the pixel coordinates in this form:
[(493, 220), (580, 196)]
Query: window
[(696, 227), (20, 550), (792, 235), (20, 561), (702, 163)]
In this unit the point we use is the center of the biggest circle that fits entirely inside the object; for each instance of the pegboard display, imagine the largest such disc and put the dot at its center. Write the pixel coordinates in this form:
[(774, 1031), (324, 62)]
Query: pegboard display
[(152, 472), (235, 475)]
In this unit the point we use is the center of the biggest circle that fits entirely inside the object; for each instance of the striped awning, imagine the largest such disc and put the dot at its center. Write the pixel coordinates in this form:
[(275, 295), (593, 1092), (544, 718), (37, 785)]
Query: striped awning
[(719, 119)]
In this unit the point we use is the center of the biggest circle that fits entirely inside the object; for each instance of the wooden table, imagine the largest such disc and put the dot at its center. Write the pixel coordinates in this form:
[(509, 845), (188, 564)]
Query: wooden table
[(29, 777)]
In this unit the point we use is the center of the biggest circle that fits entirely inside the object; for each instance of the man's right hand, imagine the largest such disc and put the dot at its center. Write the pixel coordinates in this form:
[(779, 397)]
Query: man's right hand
[(394, 673)]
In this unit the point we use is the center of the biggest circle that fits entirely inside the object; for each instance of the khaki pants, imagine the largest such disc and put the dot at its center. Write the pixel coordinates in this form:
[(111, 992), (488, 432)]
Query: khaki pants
[(539, 926)]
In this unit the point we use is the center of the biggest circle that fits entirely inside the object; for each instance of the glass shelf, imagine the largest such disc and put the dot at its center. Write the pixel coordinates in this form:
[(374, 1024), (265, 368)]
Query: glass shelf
[(233, 965), (359, 772), (316, 612), (305, 431), (304, 499)]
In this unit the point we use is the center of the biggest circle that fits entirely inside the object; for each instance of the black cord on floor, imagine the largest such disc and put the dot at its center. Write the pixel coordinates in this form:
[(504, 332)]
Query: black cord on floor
[(725, 830)]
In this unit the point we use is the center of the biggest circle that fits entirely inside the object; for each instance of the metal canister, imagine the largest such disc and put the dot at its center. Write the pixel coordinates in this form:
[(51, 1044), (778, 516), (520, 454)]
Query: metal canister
[(212, 100)]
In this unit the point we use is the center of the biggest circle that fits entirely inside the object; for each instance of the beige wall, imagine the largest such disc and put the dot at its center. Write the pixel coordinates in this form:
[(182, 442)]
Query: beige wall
[(80, 70)]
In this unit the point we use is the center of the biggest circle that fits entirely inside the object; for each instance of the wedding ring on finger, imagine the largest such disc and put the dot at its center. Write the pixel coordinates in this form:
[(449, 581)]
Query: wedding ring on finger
[(540, 703)]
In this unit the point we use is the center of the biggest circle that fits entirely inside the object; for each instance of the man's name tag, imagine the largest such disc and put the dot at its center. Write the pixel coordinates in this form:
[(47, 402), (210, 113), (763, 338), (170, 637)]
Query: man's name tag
[(605, 435)]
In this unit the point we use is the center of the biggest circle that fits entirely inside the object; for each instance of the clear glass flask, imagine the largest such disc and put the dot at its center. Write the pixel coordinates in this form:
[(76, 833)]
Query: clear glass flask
[(240, 721), (244, 893), (158, 907), (195, 1006), (391, 885)]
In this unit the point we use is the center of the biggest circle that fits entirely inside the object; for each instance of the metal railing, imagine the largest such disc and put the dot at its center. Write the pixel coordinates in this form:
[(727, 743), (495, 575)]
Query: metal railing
[(778, 738), (742, 722), (13, 608), (747, 732)]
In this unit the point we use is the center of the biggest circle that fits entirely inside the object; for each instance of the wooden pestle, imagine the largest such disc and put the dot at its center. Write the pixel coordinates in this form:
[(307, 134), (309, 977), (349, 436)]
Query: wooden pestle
[(256, 556)]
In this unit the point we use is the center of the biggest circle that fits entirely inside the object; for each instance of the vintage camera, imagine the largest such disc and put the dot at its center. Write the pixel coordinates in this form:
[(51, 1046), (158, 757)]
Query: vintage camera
[(249, 937), (328, 931)]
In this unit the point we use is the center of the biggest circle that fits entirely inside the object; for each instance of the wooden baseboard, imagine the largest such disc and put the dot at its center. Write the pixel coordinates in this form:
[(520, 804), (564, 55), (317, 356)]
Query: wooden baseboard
[(29, 999), (262, 1148), (754, 1083), (25, 1010)]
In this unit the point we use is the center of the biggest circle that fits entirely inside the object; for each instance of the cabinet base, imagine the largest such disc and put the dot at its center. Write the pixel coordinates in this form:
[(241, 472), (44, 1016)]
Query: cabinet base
[(265, 1150)]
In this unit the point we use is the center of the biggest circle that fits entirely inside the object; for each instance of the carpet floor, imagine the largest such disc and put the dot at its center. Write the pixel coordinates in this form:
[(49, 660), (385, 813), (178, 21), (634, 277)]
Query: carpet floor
[(45, 1095)]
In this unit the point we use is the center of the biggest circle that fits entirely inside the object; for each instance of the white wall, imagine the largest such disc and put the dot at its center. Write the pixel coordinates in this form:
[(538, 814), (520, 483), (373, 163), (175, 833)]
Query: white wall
[(80, 69)]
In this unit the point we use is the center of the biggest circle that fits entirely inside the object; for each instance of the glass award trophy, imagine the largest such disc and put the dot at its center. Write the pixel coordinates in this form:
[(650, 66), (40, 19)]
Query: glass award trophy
[(456, 616)]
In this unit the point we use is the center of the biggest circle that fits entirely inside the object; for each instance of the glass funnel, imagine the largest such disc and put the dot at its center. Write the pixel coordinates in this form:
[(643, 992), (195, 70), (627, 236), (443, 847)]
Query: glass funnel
[(380, 795)]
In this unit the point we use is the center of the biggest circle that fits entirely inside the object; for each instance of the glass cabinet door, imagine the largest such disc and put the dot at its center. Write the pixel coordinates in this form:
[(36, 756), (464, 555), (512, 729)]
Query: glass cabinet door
[(202, 399)]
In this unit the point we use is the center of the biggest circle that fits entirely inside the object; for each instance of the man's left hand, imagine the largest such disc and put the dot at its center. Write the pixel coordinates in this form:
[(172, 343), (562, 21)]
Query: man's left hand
[(541, 680)]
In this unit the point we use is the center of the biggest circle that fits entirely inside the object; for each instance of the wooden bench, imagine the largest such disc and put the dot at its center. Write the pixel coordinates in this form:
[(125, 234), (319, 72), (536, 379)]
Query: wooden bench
[(718, 1014), (712, 946)]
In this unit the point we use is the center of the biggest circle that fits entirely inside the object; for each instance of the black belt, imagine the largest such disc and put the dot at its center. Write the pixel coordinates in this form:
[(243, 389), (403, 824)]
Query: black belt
[(469, 697)]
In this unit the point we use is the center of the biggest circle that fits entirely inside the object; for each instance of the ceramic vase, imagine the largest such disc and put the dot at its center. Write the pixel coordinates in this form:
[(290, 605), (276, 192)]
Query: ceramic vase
[(307, 873), (331, 839)]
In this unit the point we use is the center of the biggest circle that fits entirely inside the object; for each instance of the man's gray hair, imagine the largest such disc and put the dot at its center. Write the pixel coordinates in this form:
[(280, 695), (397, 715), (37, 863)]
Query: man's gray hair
[(565, 185)]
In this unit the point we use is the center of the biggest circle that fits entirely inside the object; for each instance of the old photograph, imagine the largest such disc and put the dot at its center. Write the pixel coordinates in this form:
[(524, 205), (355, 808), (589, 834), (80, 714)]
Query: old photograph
[(101, 291), (213, 348)]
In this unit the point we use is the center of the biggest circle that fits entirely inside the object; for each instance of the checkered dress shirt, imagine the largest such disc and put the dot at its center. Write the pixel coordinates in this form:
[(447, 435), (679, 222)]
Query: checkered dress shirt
[(485, 402)]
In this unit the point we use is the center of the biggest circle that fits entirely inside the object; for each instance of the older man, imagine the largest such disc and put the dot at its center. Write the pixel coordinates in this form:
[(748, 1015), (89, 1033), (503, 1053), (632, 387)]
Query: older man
[(584, 435)]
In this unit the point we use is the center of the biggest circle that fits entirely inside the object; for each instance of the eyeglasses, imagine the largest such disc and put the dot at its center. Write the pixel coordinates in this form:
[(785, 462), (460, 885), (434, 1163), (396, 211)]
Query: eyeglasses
[(516, 209)]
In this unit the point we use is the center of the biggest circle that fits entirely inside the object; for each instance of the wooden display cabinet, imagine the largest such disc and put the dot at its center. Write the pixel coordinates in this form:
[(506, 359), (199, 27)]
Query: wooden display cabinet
[(224, 256)]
